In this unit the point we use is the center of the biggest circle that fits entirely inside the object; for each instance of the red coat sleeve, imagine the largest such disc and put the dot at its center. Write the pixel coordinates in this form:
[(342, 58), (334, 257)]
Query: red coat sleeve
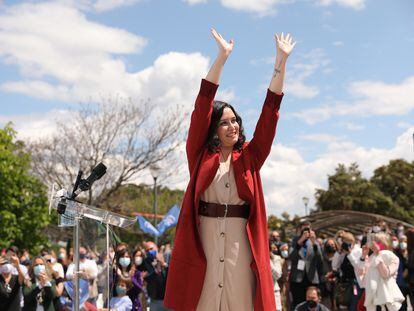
[(200, 121), (261, 143)]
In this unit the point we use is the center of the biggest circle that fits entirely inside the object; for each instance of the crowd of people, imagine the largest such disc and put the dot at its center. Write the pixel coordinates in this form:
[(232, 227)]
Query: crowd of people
[(137, 278), (370, 271)]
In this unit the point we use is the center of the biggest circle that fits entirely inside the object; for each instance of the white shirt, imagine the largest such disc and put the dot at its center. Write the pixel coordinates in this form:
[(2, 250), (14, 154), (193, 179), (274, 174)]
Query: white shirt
[(88, 266), (354, 258), (123, 303)]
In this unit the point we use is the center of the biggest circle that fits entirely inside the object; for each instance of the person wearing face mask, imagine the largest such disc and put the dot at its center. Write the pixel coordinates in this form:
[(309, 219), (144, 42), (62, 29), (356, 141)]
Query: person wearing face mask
[(10, 284), (88, 271), (349, 286), (155, 276), (121, 302), (306, 259), (328, 280), (276, 268), (312, 303), (402, 275), (283, 281), (40, 289), (137, 291), (124, 267), (379, 275)]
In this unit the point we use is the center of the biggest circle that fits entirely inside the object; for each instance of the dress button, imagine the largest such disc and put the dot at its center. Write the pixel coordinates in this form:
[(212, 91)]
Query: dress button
[(221, 259), (222, 234), (227, 185), (221, 285)]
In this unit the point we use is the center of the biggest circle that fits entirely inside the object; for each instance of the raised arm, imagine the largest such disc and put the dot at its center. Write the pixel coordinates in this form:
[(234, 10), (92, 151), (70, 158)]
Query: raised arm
[(201, 116), (284, 46), (224, 50), (265, 131)]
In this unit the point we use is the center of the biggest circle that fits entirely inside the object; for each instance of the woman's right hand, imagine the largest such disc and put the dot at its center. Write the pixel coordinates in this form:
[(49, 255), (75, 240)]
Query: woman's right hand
[(42, 278), (225, 47)]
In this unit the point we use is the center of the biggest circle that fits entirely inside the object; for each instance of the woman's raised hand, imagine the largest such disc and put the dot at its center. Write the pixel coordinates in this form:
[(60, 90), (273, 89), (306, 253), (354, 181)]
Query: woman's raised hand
[(225, 47), (284, 44)]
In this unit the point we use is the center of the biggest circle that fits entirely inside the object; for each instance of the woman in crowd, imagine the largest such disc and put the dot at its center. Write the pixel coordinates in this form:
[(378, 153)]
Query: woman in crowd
[(137, 289), (328, 278), (276, 262), (121, 301), (40, 290), (10, 284), (347, 291), (380, 271), (217, 261)]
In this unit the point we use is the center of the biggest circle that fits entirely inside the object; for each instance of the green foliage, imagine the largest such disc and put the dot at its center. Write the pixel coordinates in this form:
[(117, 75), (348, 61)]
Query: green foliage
[(132, 199), (389, 192), (23, 203)]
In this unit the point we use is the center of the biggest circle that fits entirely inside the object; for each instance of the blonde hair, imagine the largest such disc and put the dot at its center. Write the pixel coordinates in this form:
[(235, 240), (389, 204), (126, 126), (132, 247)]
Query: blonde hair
[(383, 238), (348, 237)]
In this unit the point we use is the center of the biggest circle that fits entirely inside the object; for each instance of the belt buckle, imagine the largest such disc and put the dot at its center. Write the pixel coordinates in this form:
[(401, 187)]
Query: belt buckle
[(225, 211)]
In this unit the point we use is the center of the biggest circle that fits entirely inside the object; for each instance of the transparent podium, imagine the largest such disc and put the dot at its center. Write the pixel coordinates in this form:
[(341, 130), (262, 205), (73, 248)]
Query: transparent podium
[(71, 214)]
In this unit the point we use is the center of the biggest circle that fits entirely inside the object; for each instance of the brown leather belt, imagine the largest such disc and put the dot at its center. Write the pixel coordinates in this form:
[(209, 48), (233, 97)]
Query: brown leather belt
[(223, 210)]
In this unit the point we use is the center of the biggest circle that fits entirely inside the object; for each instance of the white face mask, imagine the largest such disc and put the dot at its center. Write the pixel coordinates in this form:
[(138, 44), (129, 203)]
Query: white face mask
[(394, 244), (138, 260), (403, 245), (6, 269)]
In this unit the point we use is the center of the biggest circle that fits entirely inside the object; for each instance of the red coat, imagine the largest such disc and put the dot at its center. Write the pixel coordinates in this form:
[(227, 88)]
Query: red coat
[(188, 262)]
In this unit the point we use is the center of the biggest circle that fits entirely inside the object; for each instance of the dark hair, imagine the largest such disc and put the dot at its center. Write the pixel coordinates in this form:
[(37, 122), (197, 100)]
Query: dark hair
[(213, 142), (121, 253)]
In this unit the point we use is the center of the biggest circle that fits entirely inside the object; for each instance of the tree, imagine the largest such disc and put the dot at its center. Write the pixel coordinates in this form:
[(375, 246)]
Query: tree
[(23, 203), (348, 190), (126, 136), (396, 180)]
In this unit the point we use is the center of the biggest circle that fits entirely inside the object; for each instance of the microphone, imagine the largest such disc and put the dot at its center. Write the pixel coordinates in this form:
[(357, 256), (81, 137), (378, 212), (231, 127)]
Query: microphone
[(85, 184)]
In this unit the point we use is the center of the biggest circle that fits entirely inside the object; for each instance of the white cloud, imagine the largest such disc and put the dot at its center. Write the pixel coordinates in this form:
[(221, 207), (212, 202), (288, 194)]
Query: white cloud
[(37, 125), (338, 43), (320, 138), (64, 56), (98, 5), (287, 177), (308, 64), (268, 7), (259, 7), (367, 98), (404, 125), (106, 5), (193, 2), (353, 4), (352, 126)]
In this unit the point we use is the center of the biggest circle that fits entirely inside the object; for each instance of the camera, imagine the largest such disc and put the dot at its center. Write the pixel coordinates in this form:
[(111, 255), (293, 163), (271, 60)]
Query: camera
[(306, 230)]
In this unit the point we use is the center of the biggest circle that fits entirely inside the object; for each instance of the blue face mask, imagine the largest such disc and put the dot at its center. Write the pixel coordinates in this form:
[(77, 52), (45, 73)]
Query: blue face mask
[(152, 254), (284, 253), (124, 261), (39, 269), (120, 290)]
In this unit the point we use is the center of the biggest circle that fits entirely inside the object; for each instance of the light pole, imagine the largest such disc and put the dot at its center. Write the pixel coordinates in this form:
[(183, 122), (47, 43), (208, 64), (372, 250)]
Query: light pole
[(306, 202), (155, 170)]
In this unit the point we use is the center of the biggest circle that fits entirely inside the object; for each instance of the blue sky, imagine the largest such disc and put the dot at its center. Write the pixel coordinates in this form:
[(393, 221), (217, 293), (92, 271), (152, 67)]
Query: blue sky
[(349, 92)]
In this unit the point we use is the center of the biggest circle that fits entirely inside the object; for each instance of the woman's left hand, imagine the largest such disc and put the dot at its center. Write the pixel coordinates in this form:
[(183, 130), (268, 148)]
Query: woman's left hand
[(284, 44)]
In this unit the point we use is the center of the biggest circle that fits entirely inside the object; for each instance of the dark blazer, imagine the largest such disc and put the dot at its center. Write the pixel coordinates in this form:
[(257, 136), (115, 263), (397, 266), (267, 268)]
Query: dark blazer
[(188, 261), (313, 263), (30, 294)]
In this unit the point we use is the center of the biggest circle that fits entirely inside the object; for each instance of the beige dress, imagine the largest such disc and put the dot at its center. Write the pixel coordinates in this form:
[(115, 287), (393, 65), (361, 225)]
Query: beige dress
[(229, 283)]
